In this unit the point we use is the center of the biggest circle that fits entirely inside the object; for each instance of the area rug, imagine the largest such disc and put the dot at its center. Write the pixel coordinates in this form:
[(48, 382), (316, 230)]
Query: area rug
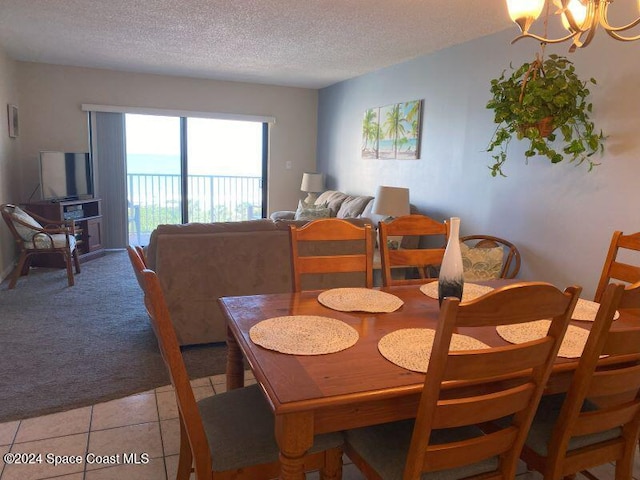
[(65, 347)]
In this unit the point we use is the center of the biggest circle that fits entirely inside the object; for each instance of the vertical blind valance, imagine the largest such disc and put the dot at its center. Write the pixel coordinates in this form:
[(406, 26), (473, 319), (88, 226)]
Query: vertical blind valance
[(88, 107)]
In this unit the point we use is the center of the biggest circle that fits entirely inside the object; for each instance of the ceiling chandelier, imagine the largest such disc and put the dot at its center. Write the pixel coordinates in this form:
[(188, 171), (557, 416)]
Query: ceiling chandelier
[(580, 17)]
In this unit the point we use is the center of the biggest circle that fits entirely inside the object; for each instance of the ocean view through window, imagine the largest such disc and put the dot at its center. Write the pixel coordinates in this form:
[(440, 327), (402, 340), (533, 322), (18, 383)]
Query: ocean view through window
[(192, 170)]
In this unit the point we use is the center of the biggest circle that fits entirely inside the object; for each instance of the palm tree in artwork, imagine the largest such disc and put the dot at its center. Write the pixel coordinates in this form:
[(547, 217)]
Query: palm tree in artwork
[(369, 128), (413, 111), (393, 126)]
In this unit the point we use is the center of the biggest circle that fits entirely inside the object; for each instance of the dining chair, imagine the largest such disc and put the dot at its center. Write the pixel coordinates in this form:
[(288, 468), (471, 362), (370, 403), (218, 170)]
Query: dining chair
[(598, 420), (449, 438), (137, 262), (229, 435), (616, 269), (421, 259), (309, 256), (141, 254), (485, 257), (37, 235)]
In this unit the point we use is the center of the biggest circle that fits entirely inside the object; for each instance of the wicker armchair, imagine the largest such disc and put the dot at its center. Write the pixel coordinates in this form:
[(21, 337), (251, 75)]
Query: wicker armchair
[(36, 235)]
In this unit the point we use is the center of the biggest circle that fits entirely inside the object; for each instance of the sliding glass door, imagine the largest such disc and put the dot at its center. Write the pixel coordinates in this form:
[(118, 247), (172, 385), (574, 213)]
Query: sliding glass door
[(224, 165), (192, 170)]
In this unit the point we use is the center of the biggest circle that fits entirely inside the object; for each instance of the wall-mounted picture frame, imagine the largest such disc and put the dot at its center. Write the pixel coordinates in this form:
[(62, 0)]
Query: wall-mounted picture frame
[(14, 125), (392, 132)]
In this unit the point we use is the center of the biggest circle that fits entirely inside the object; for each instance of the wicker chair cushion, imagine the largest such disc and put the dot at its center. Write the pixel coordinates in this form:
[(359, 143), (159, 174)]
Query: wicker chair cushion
[(481, 263), (52, 240), (25, 233), (384, 447), (545, 420), (240, 428)]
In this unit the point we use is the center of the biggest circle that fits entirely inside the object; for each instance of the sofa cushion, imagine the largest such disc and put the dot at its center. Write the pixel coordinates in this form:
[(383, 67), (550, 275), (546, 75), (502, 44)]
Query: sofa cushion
[(368, 213), (52, 240), (352, 206), (283, 215), (25, 232), (333, 199), (311, 211)]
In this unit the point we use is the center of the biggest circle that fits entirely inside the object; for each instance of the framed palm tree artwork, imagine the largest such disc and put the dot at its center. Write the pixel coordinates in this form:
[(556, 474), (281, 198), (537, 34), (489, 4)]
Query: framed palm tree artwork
[(392, 131)]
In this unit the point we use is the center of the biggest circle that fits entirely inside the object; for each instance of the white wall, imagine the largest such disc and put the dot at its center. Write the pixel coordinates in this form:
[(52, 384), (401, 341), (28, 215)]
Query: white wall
[(560, 216), (52, 119), (9, 158)]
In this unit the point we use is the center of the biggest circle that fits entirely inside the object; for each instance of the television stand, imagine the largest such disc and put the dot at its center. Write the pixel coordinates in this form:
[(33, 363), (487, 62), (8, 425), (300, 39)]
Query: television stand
[(87, 216)]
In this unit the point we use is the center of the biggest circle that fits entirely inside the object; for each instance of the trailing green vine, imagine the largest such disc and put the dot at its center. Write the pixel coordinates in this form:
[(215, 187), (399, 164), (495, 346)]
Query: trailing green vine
[(536, 91)]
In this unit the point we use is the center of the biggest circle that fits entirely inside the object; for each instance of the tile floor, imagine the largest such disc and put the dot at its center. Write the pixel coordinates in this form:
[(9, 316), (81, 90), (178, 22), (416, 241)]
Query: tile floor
[(145, 425)]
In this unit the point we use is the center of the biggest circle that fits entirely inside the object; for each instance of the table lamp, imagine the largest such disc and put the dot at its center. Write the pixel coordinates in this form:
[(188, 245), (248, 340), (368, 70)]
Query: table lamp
[(391, 202), (312, 184)]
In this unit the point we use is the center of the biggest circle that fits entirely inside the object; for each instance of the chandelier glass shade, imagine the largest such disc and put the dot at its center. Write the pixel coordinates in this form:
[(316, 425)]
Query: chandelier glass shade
[(581, 18)]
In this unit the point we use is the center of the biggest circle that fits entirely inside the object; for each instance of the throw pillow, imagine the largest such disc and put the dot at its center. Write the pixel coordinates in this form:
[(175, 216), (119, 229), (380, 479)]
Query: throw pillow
[(310, 211), (481, 263), (25, 233)]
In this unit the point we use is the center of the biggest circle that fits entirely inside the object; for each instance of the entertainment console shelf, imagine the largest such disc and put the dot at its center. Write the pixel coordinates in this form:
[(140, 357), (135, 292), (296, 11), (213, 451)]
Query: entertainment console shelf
[(88, 221)]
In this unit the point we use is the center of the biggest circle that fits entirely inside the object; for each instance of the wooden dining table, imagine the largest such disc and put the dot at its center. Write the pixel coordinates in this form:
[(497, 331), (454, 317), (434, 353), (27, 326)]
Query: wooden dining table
[(355, 387)]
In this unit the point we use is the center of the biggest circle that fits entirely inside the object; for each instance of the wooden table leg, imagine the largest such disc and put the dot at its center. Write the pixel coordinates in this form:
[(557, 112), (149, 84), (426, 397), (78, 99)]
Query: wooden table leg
[(235, 368), (294, 434)]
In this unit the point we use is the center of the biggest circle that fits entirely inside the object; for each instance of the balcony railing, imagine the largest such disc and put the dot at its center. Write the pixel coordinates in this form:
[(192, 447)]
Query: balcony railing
[(155, 199)]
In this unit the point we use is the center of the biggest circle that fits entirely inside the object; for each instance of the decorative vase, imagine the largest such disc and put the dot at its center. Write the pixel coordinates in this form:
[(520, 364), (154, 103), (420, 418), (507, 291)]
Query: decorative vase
[(451, 280)]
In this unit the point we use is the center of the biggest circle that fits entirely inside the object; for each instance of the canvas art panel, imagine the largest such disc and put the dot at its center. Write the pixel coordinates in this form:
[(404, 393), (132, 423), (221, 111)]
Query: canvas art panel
[(392, 131)]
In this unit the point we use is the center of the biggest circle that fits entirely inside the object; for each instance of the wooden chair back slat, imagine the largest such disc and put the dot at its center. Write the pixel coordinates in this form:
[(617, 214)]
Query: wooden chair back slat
[(334, 230), (600, 421), (614, 269), (482, 408), (491, 309), (499, 361), (330, 264), (614, 381), (459, 454), (420, 258), (531, 361)]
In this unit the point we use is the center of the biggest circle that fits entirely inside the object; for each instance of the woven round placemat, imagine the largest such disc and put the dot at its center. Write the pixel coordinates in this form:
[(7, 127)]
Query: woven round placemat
[(359, 300), (410, 348), (586, 311), (303, 335), (572, 345), (470, 291)]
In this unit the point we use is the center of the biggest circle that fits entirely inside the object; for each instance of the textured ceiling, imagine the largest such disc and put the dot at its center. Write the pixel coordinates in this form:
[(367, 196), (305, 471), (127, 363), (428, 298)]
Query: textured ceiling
[(305, 43)]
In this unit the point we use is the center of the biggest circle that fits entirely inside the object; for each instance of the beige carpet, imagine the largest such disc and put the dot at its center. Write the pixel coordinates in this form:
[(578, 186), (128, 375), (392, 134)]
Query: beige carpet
[(64, 347)]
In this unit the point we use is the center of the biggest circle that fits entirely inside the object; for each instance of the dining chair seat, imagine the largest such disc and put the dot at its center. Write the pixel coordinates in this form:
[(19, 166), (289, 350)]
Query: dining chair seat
[(385, 447), (239, 426), (547, 417)]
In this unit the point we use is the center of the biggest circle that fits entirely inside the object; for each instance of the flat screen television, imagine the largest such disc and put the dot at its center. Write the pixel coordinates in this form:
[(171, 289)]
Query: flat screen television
[(66, 176)]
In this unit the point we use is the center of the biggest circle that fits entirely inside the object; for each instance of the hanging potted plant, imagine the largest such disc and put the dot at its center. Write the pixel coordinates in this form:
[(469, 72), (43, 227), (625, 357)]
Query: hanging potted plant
[(538, 101)]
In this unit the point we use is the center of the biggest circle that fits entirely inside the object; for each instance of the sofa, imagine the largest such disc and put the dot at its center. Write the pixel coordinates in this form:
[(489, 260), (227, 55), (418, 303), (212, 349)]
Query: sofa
[(199, 262), (332, 203)]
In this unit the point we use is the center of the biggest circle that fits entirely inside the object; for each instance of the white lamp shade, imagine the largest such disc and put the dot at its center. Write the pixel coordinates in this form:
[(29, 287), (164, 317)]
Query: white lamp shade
[(312, 182), (391, 201)]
